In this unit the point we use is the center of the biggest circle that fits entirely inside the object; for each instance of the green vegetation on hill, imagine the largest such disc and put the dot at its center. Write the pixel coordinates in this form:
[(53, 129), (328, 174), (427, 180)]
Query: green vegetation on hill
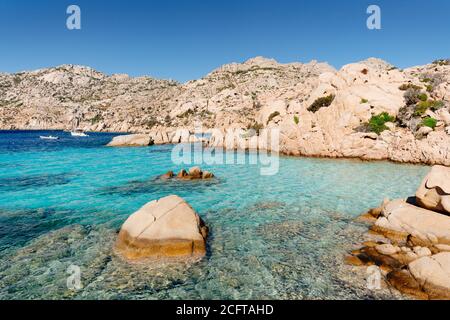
[(429, 122), (322, 102), (255, 126), (442, 62), (408, 86), (423, 106), (378, 122), (272, 116)]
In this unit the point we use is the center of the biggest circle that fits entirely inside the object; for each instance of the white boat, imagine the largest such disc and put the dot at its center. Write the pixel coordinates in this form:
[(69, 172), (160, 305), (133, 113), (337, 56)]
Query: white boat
[(78, 133), (49, 138)]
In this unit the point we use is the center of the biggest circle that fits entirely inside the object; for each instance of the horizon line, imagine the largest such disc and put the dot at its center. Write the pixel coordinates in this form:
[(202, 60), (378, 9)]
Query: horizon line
[(215, 68)]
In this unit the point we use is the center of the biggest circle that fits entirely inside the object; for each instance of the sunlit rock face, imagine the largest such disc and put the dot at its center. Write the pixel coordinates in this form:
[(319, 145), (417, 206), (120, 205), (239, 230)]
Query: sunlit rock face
[(164, 228), (412, 246), (131, 140), (434, 191), (259, 93)]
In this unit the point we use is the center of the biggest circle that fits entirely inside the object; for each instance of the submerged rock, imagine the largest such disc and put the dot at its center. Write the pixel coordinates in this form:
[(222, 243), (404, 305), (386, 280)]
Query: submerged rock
[(131, 140), (194, 173), (167, 175), (434, 191), (164, 228), (207, 175), (182, 174)]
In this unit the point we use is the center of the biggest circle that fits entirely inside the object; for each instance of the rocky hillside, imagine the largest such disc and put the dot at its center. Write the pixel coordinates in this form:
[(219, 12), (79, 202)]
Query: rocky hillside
[(369, 110), (68, 96)]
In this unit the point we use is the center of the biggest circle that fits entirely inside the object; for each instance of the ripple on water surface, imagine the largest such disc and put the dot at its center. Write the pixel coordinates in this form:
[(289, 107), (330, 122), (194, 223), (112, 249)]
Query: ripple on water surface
[(20, 183), (281, 236)]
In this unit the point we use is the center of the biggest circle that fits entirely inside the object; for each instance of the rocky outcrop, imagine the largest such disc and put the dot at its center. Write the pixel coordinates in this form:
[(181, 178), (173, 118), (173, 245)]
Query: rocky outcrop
[(161, 136), (434, 192), (402, 221), (415, 252), (319, 111), (194, 173), (164, 228), (427, 277), (433, 274), (131, 140)]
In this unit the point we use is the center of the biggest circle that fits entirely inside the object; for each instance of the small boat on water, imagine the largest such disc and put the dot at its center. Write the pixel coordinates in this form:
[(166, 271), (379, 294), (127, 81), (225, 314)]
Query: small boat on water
[(78, 133), (49, 137)]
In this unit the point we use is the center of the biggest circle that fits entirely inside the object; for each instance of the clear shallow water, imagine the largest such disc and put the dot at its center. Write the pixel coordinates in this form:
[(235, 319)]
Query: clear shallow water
[(282, 237)]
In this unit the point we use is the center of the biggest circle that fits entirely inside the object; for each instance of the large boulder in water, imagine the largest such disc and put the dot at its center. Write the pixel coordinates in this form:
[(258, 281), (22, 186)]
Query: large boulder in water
[(434, 191), (164, 228), (131, 140)]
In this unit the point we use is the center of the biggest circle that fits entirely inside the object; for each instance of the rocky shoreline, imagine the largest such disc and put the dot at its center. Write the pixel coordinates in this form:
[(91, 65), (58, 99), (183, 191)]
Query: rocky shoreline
[(368, 110), (409, 239), (145, 139), (262, 142)]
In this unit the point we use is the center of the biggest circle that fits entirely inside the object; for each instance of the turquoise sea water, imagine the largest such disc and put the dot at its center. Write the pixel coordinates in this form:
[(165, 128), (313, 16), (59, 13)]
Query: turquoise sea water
[(281, 237)]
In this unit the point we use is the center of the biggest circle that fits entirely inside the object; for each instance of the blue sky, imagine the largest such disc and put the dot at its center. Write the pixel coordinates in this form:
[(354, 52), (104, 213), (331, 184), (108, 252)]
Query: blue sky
[(185, 39)]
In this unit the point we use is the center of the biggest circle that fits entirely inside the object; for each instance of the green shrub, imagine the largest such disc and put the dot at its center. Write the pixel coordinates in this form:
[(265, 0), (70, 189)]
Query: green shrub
[(151, 123), (377, 123), (442, 62), (422, 97), (96, 119), (364, 101), (322, 102), (17, 80), (186, 114), (255, 126), (407, 86), (429, 88), (272, 116), (411, 96), (436, 104), (296, 120), (429, 122), (421, 108), (229, 86)]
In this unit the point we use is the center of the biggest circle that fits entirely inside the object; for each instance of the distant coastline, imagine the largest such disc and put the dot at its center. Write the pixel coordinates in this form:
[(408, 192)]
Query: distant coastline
[(368, 110)]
